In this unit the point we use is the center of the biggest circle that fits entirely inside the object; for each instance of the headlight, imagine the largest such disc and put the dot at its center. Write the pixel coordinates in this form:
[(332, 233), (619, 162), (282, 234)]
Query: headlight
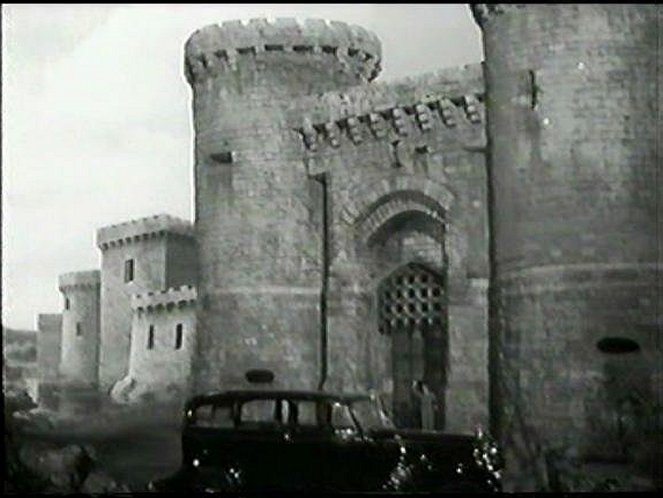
[(195, 462)]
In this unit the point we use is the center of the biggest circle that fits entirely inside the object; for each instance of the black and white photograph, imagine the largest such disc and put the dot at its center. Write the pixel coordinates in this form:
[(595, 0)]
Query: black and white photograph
[(332, 248)]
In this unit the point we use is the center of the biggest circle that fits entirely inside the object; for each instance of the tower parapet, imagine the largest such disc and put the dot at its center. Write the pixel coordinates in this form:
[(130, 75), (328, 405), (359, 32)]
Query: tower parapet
[(90, 278), (218, 48), (142, 229), (185, 295)]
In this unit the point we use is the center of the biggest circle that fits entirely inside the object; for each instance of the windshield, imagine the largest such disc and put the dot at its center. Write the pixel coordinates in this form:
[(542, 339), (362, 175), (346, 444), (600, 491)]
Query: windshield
[(370, 415)]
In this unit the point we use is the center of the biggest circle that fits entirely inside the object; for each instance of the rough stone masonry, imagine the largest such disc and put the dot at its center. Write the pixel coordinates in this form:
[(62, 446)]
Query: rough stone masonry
[(493, 230)]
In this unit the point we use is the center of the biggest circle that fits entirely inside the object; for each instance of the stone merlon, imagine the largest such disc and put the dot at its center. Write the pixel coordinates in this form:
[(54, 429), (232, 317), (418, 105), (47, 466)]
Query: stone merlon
[(142, 229), (218, 45), (165, 299), (89, 278)]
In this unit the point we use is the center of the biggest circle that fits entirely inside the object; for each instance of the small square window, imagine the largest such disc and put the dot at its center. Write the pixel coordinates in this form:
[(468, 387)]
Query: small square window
[(129, 270), (150, 337)]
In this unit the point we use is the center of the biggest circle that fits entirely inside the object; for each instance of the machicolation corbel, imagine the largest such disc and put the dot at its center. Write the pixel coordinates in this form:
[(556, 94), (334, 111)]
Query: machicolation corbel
[(310, 135), (423, 117), (331, 133), (471, 106), (398, 116), (354, 130), (377, 125), (448, 110)]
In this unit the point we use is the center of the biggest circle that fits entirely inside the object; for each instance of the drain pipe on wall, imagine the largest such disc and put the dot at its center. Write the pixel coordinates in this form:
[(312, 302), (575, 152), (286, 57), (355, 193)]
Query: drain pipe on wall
[(324, 290)]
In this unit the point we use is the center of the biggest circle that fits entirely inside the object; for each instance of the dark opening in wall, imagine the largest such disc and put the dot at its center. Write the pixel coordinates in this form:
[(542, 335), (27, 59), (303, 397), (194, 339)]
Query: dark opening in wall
[(617, 345), (79, 329), (150, 338), (67, 303), (273, 48), (302, 48), (178, 336), (225, 157), (129, 270), (247, 51), (259, 376)]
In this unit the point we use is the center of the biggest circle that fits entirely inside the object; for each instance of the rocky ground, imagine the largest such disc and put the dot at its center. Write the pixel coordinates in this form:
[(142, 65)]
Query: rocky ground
[(119, 449)]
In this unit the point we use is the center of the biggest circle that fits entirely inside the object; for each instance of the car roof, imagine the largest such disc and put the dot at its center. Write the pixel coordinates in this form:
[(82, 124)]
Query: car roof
[(302, 395)]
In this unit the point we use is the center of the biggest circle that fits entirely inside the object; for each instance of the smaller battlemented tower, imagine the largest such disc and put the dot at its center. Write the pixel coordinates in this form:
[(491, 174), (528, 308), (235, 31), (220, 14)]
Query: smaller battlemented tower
[(163, 341), (142, 255), (79, 359), (49, 341)]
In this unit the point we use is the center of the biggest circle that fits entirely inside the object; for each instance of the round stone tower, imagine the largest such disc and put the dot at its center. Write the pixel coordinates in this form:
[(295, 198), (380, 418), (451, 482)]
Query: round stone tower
[(79, 359), (257, 211), (573, 109)]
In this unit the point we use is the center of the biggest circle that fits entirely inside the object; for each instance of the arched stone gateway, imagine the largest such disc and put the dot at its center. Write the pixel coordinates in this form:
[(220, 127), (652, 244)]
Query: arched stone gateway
[(412, 310)]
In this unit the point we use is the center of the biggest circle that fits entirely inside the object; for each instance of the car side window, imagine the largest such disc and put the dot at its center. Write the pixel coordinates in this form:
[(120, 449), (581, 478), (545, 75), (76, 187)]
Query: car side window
[(341, 418), (258, 411), (306, 414), (214, 416)]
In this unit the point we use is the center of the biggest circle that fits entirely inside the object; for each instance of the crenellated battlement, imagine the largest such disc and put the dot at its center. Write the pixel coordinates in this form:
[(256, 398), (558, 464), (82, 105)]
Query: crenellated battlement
[(77, 279), (143, 229), (218, 48), (483, 12), (449, 99), (168, 299)]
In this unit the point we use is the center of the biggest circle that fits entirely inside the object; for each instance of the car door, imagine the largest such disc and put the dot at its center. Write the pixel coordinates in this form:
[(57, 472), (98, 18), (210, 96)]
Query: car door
[(346, 451)]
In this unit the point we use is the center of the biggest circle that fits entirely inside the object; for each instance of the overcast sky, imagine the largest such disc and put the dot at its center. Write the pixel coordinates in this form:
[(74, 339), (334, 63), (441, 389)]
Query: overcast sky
[(96, 120)]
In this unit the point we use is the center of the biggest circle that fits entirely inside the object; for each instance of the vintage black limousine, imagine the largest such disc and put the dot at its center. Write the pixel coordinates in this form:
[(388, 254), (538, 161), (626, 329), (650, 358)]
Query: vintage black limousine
[(308, 441)]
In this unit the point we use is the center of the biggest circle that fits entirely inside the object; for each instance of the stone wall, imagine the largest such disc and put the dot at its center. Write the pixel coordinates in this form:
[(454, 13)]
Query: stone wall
[(406, 177), (573, 96), (181, 261), (79, 359)]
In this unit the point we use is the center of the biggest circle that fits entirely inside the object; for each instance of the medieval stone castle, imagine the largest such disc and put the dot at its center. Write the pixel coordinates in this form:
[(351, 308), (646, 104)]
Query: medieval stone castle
[(493, 230)]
